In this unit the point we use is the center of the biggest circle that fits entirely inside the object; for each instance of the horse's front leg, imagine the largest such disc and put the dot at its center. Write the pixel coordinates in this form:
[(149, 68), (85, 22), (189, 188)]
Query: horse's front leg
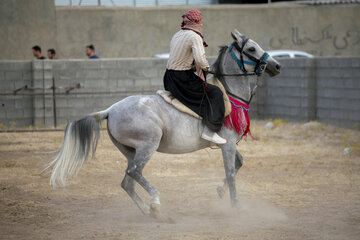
[(238, 164), (229, 152)]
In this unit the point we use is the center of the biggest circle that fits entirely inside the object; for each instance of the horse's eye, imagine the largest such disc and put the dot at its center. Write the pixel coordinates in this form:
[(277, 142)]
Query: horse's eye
[(251, 49)]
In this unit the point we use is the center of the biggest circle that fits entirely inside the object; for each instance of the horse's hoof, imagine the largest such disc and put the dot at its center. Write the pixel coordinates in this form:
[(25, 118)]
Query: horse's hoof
[(145, 210), (220, 191), (155, 213), (155, 210), (236, 205)]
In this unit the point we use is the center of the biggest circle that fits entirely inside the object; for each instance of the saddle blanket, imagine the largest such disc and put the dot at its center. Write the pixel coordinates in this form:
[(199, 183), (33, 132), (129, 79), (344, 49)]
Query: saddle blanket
[(166, 95)]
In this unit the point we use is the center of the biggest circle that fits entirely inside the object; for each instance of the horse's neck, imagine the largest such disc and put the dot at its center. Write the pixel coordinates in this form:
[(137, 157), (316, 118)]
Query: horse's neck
[(237, 88)]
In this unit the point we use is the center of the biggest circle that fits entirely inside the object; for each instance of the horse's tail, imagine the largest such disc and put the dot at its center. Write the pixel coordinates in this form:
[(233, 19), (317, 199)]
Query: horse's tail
[(80, 136)]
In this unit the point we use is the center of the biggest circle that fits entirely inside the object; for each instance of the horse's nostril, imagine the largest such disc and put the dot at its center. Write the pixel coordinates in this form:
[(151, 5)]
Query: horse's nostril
[(278, 67)]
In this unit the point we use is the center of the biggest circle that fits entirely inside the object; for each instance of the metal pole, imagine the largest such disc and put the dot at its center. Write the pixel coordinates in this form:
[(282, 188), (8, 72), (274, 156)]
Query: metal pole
[(99, 2), (78, 93), (269, 1), (43, 80), (54, 102)]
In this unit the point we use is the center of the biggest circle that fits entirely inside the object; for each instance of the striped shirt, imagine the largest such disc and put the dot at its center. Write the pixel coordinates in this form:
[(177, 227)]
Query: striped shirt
[(185, 46)]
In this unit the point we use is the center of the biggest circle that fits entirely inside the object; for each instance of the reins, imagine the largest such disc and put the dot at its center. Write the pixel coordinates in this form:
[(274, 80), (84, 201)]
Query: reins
[(235, 74), (252, 93), (247, 102)]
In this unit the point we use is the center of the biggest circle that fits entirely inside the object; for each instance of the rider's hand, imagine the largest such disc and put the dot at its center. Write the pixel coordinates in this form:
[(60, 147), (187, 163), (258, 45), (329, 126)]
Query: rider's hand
[(206, 70)]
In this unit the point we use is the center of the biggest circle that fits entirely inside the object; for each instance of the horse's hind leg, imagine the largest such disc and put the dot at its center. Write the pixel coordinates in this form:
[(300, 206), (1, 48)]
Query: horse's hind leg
[(134, 170), (128, 183)]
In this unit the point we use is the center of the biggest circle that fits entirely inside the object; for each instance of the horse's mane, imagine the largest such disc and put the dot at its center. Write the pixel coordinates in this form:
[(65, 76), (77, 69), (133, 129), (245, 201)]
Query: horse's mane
[(216, 67)]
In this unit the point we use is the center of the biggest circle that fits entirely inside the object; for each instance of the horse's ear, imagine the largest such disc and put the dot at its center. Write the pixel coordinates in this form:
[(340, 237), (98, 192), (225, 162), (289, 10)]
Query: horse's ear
[(237, 35)]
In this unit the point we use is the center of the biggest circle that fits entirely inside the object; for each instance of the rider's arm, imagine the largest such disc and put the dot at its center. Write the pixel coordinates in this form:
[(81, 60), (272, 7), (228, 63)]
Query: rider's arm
[(199, 52)]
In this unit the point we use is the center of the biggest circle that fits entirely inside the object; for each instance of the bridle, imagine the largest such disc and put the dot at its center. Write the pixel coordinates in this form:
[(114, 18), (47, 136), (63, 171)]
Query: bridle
[(260, 65)]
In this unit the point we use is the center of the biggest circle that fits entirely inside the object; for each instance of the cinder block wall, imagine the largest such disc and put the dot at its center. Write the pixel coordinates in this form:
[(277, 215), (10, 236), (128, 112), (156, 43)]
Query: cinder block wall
[(15, 109), (338, 91), (324, 89), (103, 82), (292, 94)]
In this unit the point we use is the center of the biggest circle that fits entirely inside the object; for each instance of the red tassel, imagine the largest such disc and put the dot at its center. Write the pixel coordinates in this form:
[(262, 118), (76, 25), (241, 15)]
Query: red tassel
[(238, 119)]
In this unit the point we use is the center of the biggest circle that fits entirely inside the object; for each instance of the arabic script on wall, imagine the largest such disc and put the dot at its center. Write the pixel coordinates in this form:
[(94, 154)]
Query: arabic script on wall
[(339, 43)]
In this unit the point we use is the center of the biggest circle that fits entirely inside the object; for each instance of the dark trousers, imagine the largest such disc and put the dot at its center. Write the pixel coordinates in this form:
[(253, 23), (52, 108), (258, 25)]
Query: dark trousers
[(189, 89)]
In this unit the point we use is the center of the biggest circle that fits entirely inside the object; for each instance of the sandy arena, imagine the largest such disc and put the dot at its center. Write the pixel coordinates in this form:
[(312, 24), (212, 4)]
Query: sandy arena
[(296, 183)]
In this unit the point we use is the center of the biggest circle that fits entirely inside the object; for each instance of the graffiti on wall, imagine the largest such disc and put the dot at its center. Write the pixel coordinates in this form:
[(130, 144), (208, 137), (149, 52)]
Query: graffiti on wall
[(347, 40)]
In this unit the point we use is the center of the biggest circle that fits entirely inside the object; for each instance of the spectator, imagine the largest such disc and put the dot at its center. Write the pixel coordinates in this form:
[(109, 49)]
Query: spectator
[(37, 52), (51, 53), (90, 51)]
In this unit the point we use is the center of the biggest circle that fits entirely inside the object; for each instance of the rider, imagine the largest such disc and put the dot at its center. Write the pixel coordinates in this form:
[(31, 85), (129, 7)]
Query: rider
[(187, 51)]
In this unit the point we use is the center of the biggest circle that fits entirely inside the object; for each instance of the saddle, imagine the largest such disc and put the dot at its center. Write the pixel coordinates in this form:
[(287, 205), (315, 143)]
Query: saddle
[(166, 95)]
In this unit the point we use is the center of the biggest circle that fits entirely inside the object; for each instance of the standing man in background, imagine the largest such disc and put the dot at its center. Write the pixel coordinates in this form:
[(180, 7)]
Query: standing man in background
[(37, 52), (90, 52), (51, 53)]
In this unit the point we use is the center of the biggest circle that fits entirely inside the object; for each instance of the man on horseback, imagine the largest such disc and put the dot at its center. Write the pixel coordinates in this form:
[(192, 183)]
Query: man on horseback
[(143, 124), (187, 49)]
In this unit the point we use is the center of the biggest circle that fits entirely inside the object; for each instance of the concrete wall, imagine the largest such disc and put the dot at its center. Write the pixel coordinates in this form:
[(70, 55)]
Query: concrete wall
[(292, 94), (338, 91), (25, 23), (138, 32), (324, 89), (15, 108), (324, 30), (103, 82)]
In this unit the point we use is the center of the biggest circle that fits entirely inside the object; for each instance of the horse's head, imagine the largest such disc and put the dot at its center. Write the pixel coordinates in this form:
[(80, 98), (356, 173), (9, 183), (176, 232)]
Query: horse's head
[(251, 57), (239, 64)]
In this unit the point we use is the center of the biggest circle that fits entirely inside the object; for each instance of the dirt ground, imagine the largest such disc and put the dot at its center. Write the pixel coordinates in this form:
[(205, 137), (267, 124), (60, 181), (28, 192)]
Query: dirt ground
[(296, 183)]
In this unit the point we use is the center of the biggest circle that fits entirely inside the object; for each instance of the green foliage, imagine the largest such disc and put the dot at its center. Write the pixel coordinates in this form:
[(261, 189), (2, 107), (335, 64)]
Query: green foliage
[(2, 127), (12, 124), (277, 122), (356, 126), (37, 124), (353, 145)]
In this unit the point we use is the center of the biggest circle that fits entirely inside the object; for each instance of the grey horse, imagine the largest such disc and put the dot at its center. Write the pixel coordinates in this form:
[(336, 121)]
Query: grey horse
[(140, 125)]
